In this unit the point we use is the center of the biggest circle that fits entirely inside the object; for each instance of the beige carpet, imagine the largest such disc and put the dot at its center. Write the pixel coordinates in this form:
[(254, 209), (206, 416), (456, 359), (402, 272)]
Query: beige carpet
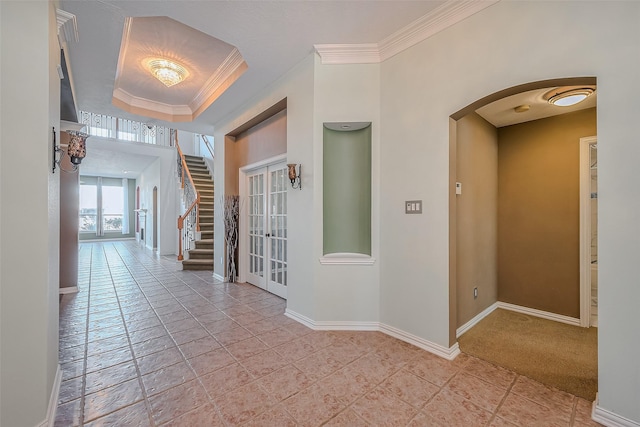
[(556, 354)]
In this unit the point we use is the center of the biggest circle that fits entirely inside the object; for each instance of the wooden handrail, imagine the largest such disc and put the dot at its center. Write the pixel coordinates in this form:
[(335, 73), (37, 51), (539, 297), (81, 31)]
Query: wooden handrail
[(184, 167)]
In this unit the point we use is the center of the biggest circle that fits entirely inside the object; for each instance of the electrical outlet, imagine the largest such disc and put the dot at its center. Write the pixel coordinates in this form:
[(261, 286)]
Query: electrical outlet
[(475, 292)]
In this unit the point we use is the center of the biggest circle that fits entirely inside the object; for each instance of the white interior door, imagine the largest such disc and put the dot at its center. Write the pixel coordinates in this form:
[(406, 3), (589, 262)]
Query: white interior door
[(256, 225), (267, 228)]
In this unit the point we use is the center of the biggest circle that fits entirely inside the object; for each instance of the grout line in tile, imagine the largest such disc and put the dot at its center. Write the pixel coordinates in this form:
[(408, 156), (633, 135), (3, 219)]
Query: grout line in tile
[(504, 398)]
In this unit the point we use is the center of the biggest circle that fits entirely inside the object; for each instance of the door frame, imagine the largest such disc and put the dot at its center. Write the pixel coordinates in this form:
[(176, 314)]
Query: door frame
[(585, 230), (243, 252)]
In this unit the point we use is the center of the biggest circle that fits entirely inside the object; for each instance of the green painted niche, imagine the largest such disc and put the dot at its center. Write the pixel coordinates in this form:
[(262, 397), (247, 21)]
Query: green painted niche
[(347, 188)]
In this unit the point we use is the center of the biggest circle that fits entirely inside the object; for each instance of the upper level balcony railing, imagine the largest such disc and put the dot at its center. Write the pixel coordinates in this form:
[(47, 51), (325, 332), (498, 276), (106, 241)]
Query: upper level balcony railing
[(126, 130)]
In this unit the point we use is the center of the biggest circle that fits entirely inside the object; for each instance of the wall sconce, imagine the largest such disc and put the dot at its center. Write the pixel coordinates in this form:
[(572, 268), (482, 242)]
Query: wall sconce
[(295, 177), (76, 149)]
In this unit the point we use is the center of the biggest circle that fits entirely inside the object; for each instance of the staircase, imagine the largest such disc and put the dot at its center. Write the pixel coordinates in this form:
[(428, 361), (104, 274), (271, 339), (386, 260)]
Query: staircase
[(201, 258)]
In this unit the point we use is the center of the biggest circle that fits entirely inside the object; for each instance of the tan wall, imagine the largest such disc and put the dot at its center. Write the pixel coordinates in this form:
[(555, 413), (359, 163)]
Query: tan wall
[(476, 216), (265, 140), (538, 212), (69, 209)]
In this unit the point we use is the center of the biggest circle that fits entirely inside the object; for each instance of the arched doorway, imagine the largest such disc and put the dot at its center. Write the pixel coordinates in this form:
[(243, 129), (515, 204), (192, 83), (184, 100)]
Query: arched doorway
[(515, 221), (459, 187)]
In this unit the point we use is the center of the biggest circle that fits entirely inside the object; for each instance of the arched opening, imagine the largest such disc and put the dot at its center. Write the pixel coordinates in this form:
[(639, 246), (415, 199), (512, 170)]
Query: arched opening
[(515, 226)]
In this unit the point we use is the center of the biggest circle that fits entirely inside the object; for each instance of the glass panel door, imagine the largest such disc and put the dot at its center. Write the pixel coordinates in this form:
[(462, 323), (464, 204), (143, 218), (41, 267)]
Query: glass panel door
[(278, 231), (256, 227), (267, 228)]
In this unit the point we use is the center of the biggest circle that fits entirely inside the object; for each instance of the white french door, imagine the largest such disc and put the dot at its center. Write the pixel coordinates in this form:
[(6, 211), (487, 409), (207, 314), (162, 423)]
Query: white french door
[(267, 228)]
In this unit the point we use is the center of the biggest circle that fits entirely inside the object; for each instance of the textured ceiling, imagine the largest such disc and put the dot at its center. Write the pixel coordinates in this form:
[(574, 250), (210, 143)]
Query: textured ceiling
[(272, 36)]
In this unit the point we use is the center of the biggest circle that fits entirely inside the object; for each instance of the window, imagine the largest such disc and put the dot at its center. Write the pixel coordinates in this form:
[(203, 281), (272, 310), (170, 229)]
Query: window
[(103, 205), (88, 208), (112, 208)]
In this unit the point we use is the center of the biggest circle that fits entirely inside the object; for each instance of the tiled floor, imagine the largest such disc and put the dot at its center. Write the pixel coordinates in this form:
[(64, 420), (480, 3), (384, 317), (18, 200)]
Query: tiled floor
[(145, 344)]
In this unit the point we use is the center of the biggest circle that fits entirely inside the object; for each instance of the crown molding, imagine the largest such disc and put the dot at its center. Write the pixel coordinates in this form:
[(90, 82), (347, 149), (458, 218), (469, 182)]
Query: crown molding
[(439, 19), (366, 53), (227, 73), (158, 110), (67, 26)]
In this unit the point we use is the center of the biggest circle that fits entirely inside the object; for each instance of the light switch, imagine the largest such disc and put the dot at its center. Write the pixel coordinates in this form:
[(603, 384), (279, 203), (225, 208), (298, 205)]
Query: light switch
[(413, 207), (458, 188)]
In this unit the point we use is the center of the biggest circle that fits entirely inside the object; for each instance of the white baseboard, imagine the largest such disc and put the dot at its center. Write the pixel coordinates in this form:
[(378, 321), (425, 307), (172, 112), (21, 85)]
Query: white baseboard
[(300, 318), (347, 326), (610, 419), (449, 353), (437, 349), (539, 313), (218, 277), (53, 400), (473, 322), (69, 290)]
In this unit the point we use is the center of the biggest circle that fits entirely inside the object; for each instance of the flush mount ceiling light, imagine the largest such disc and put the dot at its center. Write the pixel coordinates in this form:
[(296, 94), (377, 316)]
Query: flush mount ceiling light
[(570, 97), (168, 72)]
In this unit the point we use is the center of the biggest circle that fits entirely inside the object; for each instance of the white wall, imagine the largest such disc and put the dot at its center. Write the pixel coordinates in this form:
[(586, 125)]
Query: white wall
[(161, 174), (297, 87), (346, 93), (505, 45), (188, 143), (29, 108), (317, 94), (508, 44)]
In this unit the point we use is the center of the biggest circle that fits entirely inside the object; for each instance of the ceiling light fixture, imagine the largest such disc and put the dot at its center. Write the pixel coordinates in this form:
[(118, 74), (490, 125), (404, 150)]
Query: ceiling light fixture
[(570, 97), (168, 72)]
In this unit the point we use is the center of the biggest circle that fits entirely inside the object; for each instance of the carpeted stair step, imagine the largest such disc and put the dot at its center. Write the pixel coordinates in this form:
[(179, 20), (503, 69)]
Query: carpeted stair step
[(197, 264), (200, 174), (202, 184), (189, 157), (204, 244), (201, 254), (206, 226), (198, 167), (199, 171)]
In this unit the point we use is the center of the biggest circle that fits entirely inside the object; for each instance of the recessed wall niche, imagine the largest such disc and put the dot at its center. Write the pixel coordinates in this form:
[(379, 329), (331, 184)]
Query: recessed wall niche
[(347, 189)]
